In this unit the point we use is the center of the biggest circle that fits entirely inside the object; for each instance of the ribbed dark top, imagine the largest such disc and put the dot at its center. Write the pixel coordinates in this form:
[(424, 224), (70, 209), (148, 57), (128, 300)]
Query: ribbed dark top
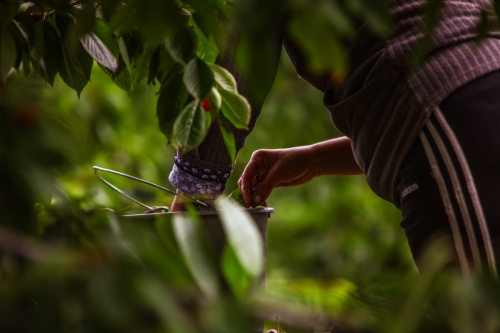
[(385, 101)]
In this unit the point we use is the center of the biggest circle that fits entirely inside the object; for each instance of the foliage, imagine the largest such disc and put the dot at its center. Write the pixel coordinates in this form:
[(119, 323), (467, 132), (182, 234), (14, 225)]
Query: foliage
[(70, 263), (71, 266), (168, 42)]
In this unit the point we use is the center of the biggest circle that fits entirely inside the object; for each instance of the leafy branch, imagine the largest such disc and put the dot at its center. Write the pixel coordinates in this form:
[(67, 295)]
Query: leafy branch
[(173, 43)]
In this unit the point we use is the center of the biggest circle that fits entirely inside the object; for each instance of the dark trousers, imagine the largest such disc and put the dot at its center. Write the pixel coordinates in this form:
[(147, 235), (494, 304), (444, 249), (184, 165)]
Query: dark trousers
[(449, 185)]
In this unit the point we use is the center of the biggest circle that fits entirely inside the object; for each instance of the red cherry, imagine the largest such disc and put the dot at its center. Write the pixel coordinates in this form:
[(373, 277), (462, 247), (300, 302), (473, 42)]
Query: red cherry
[(206, 106)]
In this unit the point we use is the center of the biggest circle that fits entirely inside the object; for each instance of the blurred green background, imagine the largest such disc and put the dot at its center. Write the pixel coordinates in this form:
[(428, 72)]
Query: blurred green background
[(332, 244), (68, 264), (332, 227)]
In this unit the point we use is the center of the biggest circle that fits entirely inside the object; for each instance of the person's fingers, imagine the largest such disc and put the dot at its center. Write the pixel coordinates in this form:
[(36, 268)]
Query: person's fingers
[(248, 180), (247, 192), (260, 176), (263, 189)]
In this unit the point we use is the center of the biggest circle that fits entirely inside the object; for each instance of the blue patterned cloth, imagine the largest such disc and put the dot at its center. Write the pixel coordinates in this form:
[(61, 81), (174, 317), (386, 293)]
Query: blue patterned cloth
[(198, 181)]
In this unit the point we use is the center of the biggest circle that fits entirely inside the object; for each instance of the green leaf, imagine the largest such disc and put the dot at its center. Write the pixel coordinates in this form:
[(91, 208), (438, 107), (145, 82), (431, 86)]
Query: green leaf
[(101, 29), (122, 46), (8, 53), (205, 17), (109, 7), (20, 39), (223, 78), (96, 48), (235, 108), (236, 277), (76, 64), (156, 19), (140, 67), (85, 17), (242, 235), (170, 101), (198, 78), (136, 56), (189, 235), (76, 68), (166, 64), (189, 127), (52, 56), (207, 49), (154, 66), (181, 45), (214, 99), (123, 80), (228, 136), (123, 20)]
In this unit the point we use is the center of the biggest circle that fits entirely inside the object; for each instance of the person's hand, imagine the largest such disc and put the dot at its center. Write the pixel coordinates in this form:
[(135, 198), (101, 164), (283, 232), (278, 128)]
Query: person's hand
[(270, 168)]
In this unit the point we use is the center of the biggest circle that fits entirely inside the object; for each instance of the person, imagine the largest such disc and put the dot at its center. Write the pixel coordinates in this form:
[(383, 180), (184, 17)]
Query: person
[(425, 137)]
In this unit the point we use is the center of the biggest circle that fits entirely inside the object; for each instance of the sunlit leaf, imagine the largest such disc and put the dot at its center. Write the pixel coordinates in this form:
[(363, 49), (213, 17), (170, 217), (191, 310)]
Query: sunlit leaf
[(198, 78), (215, 99), (242, 234), (236, 277), (101, 29), (190, 240), (189, 127), (223, 78), (99, 51), (235, 108)]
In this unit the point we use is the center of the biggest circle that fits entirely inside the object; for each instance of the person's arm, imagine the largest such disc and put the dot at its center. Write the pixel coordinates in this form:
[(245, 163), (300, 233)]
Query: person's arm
[(271, 168)]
